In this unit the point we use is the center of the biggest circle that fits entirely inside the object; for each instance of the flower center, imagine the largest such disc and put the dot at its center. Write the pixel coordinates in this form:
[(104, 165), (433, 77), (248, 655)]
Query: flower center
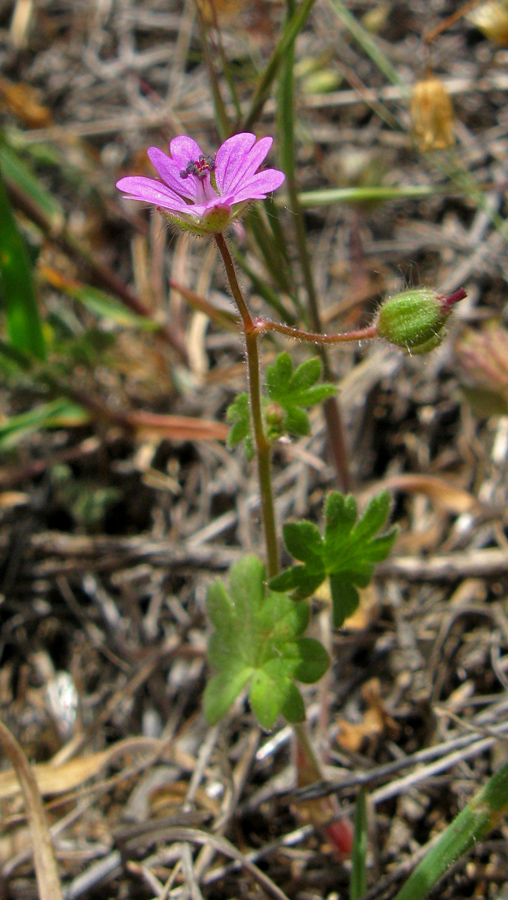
[(199, 167)]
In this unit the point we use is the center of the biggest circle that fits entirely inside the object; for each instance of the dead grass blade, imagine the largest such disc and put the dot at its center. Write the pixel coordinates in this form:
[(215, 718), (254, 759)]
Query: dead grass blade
[(50, 779), (194, 836), (443, 494), (45, 864), (177, 428)]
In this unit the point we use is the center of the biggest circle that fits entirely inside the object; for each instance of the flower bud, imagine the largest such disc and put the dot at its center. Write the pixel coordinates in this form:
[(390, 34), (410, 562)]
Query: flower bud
[(432, 115), (275, 419), (482, 358), (492, 19), (415, 318)]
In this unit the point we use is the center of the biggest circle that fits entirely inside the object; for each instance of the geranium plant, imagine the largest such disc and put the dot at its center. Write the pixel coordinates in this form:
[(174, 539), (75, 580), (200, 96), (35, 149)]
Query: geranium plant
[(260, 614)]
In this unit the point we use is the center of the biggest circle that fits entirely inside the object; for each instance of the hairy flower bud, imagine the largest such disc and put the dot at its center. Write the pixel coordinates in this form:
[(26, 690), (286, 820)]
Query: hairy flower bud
[(432, 115), (415, 319)]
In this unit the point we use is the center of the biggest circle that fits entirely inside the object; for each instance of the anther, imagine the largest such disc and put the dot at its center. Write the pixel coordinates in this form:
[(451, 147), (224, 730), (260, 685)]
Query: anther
[(200, 167)]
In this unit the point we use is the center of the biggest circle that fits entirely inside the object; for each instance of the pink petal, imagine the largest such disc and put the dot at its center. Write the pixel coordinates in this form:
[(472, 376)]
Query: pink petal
[(184, 150), (204, 190), (219, 201), (231, 159), (147, 190), (169, 171), (260, 185), (251, 164)]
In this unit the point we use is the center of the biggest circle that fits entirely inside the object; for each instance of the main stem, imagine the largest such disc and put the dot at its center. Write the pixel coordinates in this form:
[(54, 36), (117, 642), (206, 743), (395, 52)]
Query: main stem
[(262, 442)]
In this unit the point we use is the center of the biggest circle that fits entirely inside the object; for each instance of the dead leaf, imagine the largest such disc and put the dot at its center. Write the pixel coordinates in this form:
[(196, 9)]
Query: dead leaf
[(23, 101), (170, 799), (58, 779), (10, 499), (375, 723)]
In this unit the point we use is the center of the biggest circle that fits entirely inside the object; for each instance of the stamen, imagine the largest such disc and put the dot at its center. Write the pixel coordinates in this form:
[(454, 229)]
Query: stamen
[(200, 167)]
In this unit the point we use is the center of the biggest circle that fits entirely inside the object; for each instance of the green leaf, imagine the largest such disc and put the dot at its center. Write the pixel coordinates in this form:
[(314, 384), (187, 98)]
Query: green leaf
[(101, 304), (221, 692), (312, 660), (18, 291), (257, 642), (346, 553), (56, 414), (374, 516), (303, 540), (266, 698), (238, 415), (306, 375), (340, 515), (345, 599), (297, 421), (292, 707), (220, 606), (301, 580), (294, 390), (359, 855)]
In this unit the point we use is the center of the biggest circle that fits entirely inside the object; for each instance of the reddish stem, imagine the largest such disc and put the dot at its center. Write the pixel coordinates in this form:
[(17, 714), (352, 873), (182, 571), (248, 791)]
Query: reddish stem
[(361, 334)]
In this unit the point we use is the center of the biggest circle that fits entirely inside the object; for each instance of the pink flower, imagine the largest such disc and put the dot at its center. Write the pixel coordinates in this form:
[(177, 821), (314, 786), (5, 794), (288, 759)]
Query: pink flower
[(200, 193)]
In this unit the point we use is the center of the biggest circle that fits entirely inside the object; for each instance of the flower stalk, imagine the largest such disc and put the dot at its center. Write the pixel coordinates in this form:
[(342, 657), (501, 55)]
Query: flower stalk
[(312, 337), (251, 333)]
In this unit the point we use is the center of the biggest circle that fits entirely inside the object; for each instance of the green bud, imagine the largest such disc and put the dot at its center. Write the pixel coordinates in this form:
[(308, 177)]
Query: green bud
[(414, 320), (275, 421)]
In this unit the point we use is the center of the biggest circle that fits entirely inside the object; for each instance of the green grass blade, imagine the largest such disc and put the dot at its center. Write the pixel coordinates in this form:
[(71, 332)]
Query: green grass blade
[(366, 41), (280, 240), (375, 194), (99, 303), (286, 142), (481, 814), (221, 116), (289, 35), (18, 292), (57, 413), (256, 224), (20, 177), (359, 856)]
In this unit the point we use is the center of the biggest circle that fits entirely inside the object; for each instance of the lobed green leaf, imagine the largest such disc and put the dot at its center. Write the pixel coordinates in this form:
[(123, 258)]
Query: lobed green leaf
[(257, 642), (294, 390), (346, 553), (303, 540)]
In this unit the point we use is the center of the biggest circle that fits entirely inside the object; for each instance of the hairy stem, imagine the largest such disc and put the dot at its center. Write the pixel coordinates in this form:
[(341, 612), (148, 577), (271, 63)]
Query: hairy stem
[(262, 442), (362, 334)]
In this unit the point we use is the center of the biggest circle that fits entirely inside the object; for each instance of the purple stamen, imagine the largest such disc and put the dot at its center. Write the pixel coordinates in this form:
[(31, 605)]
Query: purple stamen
[(200, 167)]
